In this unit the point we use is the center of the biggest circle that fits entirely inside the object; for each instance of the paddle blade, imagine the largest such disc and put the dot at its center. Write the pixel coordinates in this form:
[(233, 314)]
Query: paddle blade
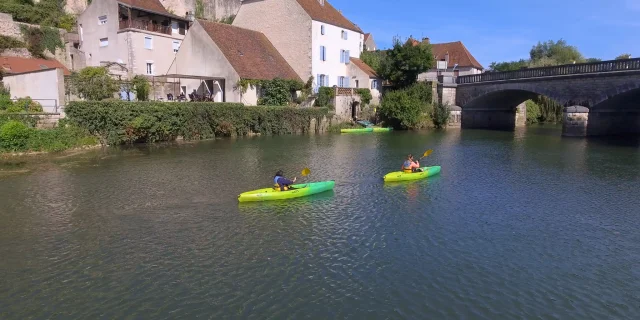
[(306, 172), (427, 153)]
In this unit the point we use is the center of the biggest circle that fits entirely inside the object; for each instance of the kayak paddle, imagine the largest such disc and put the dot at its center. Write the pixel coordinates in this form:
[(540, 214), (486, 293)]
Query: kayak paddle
[(426, 153), (306, 172)]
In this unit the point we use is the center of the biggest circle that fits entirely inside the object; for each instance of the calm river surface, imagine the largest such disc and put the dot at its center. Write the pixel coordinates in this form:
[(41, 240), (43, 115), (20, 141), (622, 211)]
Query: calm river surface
[(524, 225)]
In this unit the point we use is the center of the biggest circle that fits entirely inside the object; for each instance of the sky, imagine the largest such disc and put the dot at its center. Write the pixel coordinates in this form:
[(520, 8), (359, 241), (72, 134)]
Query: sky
[(503, 30)]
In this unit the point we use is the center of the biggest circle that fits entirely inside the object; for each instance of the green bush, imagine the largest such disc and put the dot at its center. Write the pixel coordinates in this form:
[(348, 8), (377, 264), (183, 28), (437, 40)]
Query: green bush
[(141, 87), (325, 94), (365, 95), (533, 111), (440, 115), (26, 104), (7, 42), (93, 83), (122, 122), (404, 108), (14, 135), (276, 92)]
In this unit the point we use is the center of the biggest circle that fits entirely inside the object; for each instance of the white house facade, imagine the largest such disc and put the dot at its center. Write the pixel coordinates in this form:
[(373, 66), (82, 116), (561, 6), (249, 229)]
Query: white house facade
[(333, 49)]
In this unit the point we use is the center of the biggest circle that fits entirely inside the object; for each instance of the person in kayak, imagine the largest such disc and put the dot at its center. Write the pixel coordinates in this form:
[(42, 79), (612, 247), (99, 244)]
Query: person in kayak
[(282, 182), (411, 165)]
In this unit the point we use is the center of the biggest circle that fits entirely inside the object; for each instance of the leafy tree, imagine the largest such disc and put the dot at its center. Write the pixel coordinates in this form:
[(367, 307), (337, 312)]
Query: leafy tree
[(275, 93), (509, 66), (440, 115), (141, 87), (623, 56), (404, 108), (404, 62), (373, 59), (559, 51), (94, 83), (593, 60)]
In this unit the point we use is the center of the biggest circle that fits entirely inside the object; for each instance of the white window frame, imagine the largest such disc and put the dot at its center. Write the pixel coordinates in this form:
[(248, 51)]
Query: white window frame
[(150, 42), (102, 20), (104, 43), (173, 44), (152, 65)]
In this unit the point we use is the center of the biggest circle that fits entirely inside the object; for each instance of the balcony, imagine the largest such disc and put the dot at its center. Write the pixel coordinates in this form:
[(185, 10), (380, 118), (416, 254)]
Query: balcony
[(148, 26)]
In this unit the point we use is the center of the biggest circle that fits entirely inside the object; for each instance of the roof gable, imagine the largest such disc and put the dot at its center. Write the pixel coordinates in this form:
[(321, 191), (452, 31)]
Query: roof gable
[(150, 5), (327, 13), (458, 54), (22, 65), (364, 67), (249, 52)]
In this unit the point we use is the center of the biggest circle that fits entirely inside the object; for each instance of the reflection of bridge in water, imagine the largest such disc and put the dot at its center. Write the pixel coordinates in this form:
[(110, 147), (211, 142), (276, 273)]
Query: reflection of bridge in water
[(600, 98)]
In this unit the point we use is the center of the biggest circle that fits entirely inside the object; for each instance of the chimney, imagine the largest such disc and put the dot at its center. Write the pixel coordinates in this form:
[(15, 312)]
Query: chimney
[(426, 40)]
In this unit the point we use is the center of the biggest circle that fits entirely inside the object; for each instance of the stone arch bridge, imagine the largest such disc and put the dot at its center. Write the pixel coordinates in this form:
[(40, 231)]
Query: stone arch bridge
[(601, 98)]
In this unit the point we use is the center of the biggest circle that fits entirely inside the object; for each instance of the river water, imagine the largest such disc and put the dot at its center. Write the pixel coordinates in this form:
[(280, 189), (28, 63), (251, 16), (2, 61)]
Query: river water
[(518, 225)]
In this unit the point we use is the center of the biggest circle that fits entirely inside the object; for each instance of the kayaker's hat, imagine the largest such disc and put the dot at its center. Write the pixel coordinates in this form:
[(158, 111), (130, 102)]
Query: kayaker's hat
[(409, 156), (279, 173)]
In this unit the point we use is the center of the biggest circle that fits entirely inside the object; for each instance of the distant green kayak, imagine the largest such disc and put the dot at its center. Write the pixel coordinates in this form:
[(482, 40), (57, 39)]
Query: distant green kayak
[(298, 190), (356, 130), (382, 129), (408, 176)]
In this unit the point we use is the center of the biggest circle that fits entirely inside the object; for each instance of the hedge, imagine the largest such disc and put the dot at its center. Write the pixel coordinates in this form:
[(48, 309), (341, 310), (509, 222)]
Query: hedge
[(123, 122)]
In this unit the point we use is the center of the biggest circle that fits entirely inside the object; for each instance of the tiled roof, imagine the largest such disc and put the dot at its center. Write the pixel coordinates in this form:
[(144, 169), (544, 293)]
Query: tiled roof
[(366, 36), (150, 5), (327, 13), (250, 53), (364, 67), (21, 65), (458, 53)]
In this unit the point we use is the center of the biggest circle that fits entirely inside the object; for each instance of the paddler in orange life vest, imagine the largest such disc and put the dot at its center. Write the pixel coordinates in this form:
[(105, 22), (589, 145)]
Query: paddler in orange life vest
[(282, 182), (411, 165)]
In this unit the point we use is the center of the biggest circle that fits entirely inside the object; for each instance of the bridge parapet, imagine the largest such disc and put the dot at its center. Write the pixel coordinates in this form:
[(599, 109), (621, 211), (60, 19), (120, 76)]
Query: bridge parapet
[(563, 70)]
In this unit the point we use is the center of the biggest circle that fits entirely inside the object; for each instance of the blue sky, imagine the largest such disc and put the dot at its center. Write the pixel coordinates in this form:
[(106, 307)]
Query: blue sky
[(503, 30)]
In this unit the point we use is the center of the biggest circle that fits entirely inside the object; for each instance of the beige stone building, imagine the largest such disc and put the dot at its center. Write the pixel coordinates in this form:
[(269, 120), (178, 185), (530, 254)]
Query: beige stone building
[(365, 77), (452, 59), (214, 57), (369, 43), (138, 34)]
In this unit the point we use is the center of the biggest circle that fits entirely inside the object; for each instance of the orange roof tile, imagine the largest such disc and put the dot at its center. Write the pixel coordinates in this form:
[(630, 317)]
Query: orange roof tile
[(250, 53), (21, 65), (364, 67), (458, 54), (327, 13)]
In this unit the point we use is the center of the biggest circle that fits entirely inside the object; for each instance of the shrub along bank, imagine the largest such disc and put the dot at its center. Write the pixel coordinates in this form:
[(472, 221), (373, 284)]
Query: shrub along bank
[(121, 122), (18, 134)]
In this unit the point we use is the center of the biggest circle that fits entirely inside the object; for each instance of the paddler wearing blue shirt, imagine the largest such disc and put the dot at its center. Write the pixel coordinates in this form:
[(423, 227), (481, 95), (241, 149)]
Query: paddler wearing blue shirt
[(282, 182)]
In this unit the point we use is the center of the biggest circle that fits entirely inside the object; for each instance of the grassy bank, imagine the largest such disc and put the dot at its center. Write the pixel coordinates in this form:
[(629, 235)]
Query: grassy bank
[(120, 122), (18, 134)]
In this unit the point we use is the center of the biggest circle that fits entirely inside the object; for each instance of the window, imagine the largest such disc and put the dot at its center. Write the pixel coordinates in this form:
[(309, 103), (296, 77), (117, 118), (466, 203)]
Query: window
[(174, 27), (357, 83), (374, 84), (176, 45), (150, 68), (340, 81), (81, 34), (323, 80), (104, 42), (323, 53), (344, 35), (322, 29), (344, 56), (148, 42), (102, 20), (347, 55)]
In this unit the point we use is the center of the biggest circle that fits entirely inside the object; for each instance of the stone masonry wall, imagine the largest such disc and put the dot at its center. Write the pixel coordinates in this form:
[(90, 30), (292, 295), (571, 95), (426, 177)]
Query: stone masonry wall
[(213, 9), (585, 90)]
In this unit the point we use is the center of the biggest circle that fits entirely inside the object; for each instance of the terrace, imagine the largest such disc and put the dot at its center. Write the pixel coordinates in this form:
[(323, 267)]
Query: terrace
[(131, 18)]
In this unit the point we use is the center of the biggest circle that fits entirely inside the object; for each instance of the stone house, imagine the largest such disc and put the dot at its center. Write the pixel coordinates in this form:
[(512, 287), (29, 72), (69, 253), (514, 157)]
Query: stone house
[(140, 34), (312, 36), (369, 43), (452, 60), (214, 57), (365, 77)]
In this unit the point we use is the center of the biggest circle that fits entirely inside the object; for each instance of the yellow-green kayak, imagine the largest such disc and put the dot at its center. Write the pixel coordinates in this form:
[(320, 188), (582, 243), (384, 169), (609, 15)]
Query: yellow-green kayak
[(407, 176), (356, 130), (382, 129), (298, 190)]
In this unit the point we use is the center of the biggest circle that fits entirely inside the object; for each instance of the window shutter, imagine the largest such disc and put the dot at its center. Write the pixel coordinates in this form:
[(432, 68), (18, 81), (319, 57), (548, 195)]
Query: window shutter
[(326, 80), (346, 35), (318, 83), (348, 82)]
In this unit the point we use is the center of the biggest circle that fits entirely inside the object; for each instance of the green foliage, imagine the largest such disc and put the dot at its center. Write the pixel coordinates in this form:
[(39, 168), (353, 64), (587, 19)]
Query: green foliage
[(14, 135), (94, 83), (533, 111), (141, 87), (404, 62), (405, 108), (276, 92), (7, 42), (121, 122), (46, 12), (440, 115), (335, 128), (26, 105), (590, 60), (325, 95), (5, 97), (365, 95), (199, 9), (624, 56), (228, 20), (544, 54), (543, 109), (373, 59), (39, 39)]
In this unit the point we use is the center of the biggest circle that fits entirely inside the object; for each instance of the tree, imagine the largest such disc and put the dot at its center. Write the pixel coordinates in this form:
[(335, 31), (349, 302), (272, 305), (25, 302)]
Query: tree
[(559, 52), (509, 66), (623, 56), (373, 59), (141, 87), (593, 60), (404, 62), (94, 83), (404, 108)]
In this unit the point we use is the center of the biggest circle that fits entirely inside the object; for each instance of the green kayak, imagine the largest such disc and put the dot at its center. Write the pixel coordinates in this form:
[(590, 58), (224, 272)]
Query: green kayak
[(408, 176), (298, 190), (356, 130), (382, 129)]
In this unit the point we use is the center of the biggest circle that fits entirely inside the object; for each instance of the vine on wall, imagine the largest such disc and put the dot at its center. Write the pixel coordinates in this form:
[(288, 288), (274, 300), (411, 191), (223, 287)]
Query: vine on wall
[(39, 39)]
